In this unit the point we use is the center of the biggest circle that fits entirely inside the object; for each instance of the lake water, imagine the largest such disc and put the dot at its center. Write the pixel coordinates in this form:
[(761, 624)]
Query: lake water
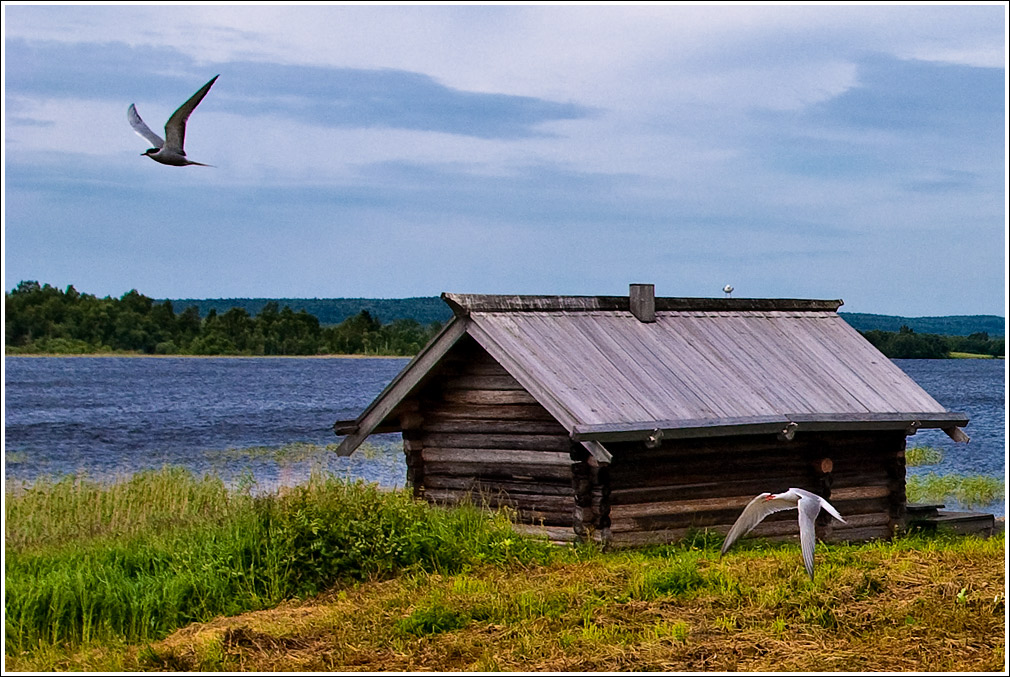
[(107, 417)]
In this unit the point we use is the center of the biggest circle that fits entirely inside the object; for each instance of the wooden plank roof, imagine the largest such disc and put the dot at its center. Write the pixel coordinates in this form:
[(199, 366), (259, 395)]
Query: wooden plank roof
[(703, 367)]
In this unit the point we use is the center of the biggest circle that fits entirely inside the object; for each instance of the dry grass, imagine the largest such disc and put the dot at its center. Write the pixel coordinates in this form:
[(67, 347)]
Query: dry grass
[(914, 605)]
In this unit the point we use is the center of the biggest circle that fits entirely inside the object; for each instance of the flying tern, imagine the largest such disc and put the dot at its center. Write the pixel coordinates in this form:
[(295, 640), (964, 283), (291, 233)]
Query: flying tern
[(808, 506), (169, 151)]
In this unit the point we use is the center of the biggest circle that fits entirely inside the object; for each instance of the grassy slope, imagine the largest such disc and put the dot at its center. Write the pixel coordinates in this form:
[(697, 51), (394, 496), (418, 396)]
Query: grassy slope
[(917, 604), (910, 607)]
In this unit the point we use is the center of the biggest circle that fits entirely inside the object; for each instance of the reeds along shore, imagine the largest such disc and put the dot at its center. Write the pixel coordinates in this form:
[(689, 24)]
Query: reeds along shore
[(95, 571)]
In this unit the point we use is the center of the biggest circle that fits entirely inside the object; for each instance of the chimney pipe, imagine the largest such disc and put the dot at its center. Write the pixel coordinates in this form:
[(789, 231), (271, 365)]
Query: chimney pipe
[(642, 301)]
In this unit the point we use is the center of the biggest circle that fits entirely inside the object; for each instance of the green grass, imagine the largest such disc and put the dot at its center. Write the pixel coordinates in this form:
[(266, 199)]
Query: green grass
[(969, 491), (170, 571), (133, 561), (920, 456)]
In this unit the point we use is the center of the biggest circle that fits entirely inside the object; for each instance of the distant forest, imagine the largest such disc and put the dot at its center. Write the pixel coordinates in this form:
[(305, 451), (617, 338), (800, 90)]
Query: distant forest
[(422, 309), (44, 319), (41, 318), (428, 309)]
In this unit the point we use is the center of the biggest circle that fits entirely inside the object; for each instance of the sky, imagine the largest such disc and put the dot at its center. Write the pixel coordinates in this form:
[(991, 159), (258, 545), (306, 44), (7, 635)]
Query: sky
[(853, 152)]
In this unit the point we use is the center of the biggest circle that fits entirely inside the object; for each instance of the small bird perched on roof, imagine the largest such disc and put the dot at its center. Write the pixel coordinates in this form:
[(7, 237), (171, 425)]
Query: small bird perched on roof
[(169, 151), (808, 506)]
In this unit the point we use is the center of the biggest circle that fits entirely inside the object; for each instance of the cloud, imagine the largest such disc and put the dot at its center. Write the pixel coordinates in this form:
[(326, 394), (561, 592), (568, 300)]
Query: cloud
[(905, 122), (395, 150), (329, 97)]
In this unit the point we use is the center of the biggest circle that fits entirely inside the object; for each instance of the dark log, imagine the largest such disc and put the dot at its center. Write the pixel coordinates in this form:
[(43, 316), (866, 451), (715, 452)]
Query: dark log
[(554, 534), (539, 472), (462, 425), (850, 493), (488, 397), (510, 412), (496, 441), (495, 381), (559, 507), (502, 456), (496, 486)]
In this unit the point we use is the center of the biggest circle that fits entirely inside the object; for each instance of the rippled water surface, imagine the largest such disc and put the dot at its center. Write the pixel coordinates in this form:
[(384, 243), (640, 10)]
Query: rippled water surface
[(111, 416)]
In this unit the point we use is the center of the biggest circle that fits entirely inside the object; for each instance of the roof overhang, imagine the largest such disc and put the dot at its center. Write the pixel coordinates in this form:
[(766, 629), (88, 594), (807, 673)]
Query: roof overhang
[(785, 426)]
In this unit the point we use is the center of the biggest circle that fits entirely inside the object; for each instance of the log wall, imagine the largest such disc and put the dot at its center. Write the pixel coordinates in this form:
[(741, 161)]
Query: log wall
[(476, 434), (661, 494)]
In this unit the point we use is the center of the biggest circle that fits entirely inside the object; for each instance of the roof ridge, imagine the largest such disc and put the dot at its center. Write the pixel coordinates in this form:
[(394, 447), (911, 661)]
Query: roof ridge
[(464, 304)]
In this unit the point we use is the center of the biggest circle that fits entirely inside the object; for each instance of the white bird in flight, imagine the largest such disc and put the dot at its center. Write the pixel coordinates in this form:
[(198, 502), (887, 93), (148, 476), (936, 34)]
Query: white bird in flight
[(169, 151), (808, 506)]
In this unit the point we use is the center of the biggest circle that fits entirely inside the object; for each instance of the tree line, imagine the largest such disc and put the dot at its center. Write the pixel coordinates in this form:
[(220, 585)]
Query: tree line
[(45, 319), (907, 344), (41, 318)]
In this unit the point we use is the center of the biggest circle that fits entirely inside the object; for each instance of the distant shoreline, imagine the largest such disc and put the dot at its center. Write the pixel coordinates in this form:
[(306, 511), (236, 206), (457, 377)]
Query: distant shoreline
[(205, 357)]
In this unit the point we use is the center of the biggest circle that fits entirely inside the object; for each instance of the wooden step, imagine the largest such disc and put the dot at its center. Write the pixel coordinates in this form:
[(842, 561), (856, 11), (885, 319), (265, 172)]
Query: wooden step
[(917, 510), (957, 522)]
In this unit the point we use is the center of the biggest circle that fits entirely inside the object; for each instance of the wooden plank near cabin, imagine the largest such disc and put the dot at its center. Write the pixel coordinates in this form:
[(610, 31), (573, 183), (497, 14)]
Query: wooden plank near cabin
[(737, 502), (563, 534), (496, 441), (492, 412), (465, 455), (561, 506), (857, 493), (533, 471), (488, 397), (486, 486), (469, 381), (435, 424)]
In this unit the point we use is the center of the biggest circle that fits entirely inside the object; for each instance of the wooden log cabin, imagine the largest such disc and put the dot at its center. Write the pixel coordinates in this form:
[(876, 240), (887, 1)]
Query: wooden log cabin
[(636, 419)]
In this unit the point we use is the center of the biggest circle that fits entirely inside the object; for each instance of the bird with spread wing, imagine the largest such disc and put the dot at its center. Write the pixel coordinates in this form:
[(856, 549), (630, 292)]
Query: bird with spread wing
[(808, 506), (170, 150)]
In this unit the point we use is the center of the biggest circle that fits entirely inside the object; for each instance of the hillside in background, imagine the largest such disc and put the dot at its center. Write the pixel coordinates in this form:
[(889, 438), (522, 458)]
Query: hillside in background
[(428, 309), (423, 309), (947, 325)]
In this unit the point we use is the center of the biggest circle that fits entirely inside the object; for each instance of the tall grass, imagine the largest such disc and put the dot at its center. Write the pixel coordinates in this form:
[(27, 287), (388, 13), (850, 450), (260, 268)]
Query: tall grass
[(75, 509), (133, 561), (969, 491), (919, 456)]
